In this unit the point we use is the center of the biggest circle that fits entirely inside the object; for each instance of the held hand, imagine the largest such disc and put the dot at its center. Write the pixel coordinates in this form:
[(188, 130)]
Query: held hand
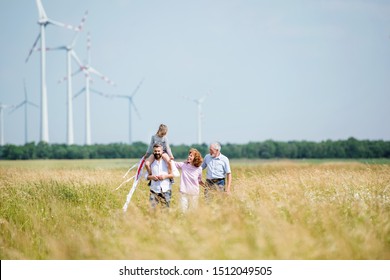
[(155, 178)]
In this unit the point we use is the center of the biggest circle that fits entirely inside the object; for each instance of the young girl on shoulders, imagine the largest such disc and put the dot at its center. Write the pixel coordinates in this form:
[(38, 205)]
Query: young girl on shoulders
[(161, 138)]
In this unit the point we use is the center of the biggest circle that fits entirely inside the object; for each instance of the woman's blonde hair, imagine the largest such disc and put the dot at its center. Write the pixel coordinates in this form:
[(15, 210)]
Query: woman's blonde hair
[(162, 130), (197, 157)]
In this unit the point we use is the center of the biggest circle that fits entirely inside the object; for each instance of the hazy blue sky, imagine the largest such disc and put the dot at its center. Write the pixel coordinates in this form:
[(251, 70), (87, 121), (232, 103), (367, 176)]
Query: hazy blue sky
[(281, 70)]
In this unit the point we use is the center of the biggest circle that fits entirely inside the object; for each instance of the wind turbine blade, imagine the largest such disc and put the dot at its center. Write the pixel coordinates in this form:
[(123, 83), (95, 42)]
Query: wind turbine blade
[(82, 22), (62, 80), (120, 96), (64, 25), (77, 59), (43, 18), (135, 108), (57, 48), (33, 47), (77, 71), (78, 93), (41, 10), (79, 29), (188, 98), (101, 93), (32, 104), (104, 78), (88, 48), (27, 102), (137, 88), (74, 40), (17, 107), (94, 71)]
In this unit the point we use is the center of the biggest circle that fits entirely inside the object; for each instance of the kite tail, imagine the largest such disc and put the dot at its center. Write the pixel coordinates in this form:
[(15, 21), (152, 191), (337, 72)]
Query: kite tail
[(138, 176)]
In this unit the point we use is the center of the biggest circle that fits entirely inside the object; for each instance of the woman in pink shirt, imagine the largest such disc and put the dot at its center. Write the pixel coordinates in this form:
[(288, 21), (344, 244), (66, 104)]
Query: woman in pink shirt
[(191, 178)]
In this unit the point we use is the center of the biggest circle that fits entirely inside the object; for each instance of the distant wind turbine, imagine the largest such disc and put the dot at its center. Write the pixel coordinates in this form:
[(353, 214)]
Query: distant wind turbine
[(43, 21), (88, 70), (2, 108), (199, 103), (131, 104), (25, 103), (69, 54)]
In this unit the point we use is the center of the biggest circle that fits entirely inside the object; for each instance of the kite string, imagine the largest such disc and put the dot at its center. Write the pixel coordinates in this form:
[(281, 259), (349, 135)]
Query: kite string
[(124, 182), (124, 176), (131, 168)]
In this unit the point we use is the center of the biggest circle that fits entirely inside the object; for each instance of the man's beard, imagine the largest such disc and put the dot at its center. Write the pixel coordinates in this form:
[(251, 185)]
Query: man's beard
[(157, 156)]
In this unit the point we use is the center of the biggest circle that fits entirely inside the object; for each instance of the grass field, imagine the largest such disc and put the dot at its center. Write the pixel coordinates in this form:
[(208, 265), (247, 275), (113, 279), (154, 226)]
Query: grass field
[(280, 210)]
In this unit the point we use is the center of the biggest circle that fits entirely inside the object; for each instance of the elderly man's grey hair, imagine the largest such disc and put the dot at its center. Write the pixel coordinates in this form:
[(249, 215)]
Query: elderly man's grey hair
[(216, 145)]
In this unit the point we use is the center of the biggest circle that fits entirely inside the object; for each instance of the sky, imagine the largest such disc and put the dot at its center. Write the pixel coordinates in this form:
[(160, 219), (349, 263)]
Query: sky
[(280, 70)]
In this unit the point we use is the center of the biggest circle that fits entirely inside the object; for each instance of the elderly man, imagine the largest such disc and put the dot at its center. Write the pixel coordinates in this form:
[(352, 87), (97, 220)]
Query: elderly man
[(160, 187), (218, 176)]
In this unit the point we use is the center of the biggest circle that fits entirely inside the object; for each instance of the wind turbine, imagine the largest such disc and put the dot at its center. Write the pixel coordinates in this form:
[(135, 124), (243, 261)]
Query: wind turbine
[(43, 21), (2, 107), (25, 103), (88, 70), (69, 54), (131, 104), (199, 103)]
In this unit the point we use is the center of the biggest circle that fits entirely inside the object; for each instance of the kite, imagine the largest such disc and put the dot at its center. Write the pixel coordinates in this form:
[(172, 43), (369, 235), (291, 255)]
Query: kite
[(136, 177)]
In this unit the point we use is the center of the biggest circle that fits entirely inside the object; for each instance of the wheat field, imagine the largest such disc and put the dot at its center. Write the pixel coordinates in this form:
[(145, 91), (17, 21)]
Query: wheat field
[(278, 210)]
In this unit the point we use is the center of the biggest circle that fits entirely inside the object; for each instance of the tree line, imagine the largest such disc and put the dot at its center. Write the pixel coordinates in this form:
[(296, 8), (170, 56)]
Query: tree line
[(340, 149)]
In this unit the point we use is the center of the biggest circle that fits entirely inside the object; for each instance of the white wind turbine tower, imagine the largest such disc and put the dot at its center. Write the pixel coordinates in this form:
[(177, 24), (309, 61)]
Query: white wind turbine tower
[(2, 108), (25, 103), (43, 21), (69, 54), (199, 103), (88, 70)]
